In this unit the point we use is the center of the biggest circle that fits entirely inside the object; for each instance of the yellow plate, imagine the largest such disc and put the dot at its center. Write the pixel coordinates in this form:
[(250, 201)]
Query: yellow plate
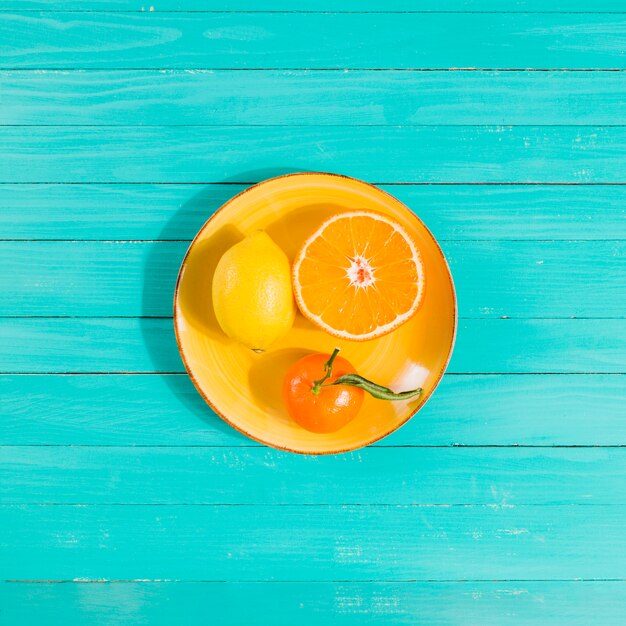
[(244, 388)]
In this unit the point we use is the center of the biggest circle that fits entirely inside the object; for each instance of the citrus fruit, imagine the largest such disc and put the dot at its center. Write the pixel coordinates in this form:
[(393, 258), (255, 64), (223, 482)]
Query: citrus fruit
[(324, 408), (252, 293), (323, 392), (358, 276)]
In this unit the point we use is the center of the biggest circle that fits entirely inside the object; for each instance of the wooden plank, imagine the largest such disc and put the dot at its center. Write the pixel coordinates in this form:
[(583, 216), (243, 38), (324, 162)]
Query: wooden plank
[(275, 40), (166, 410), (540, 345), (551, 603), (526, 279), (493, 278), (235, 98), (113, 345), (459, 154), (514, 6), (259, 475), (460, 212), (360, 543), (88, 345)]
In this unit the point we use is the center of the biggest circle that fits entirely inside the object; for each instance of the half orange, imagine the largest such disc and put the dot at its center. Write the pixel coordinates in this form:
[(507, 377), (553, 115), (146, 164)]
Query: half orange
[(358, 276)]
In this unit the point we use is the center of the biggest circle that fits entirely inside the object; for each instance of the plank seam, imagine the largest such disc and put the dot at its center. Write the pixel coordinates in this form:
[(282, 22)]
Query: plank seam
[(181, 373), (323, 125), (380, 183), (169, 317), (39, 69), (106, 581), (291, 126), (411, 581), (482, 240), (373, 446), (310, 505), (309, 70), (307, 12)]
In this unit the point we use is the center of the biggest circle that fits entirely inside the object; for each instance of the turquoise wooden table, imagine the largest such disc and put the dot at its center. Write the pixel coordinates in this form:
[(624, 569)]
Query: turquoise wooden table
[(124, 499)]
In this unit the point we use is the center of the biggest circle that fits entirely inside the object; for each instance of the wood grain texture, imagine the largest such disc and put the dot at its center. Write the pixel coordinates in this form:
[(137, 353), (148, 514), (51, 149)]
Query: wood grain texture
[(329, 543), (232, 98), (167, 411), (44, 345), (508, 603), (459, 154), (459, 212), (494, 279), (514, 6), (262, 476), (311, 40), (137, 110)]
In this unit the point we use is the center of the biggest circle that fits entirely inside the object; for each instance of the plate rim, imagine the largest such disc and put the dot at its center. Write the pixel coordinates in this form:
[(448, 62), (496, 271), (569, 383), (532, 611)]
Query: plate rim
[(269, 443)]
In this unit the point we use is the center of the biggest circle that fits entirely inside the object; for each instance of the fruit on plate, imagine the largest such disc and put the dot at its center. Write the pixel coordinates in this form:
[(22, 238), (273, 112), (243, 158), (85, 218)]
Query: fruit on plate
[(358, 276), (323, 392), (252, 293)]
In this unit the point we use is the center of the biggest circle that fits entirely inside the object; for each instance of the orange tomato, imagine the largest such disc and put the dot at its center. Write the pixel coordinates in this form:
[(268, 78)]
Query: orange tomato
[(311, 398)]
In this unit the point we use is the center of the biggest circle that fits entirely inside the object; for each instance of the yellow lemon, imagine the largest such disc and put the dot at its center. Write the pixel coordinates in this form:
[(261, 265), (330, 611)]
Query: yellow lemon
[(252, 293)]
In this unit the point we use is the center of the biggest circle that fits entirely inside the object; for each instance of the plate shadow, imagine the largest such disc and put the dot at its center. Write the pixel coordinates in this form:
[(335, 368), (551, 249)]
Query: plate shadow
[(161, 271)]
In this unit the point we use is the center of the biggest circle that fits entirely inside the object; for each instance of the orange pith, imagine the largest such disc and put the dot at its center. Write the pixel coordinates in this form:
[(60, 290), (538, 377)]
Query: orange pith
[(359, 276)]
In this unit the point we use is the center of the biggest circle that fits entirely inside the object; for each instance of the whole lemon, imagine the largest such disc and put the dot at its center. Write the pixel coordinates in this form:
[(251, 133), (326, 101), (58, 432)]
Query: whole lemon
[(252, 293)]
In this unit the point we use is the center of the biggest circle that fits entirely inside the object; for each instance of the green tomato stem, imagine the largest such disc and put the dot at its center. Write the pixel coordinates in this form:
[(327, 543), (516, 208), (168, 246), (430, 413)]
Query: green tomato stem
[(354, 380), (378, 391), (328, 370)]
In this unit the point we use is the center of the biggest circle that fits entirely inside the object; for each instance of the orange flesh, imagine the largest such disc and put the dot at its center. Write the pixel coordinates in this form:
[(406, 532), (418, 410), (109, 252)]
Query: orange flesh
[(358, 276)]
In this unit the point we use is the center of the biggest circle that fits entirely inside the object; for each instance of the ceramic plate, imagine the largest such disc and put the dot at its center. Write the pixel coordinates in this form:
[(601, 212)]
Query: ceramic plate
[(244, 388)]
